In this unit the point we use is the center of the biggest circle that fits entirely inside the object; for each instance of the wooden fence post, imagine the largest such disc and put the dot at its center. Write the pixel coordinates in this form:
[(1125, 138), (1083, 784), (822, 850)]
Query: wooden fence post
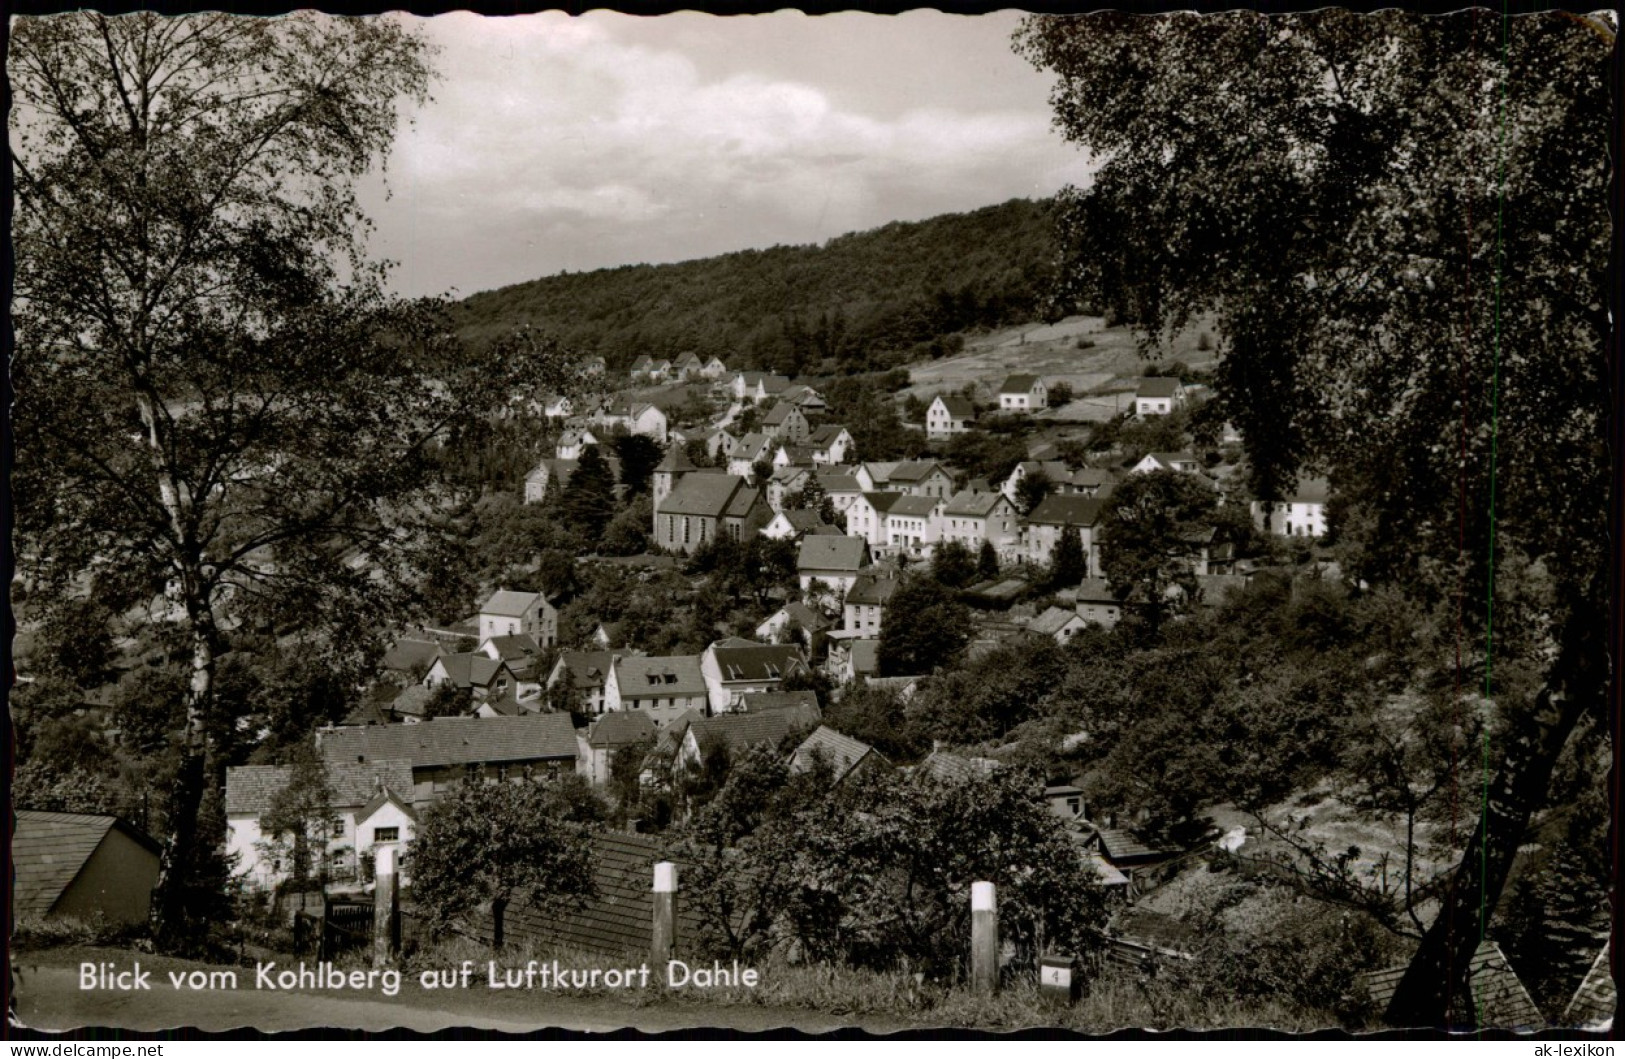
[(984, 938), (386, 919), (663, 941)]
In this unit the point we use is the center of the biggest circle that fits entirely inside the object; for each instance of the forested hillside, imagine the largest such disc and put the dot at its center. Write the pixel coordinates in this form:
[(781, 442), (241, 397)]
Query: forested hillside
[(860, 302)]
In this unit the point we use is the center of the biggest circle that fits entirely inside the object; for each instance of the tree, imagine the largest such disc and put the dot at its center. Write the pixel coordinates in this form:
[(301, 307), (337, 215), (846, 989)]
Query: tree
[(1060, 395), (926, 628), (496, 843), (987, 562), (1153, 527), (1421, 361), (1068, 565), (588, 501), (952, 565), (215, 397), (297, 823), (1034, 486), (639, 455)]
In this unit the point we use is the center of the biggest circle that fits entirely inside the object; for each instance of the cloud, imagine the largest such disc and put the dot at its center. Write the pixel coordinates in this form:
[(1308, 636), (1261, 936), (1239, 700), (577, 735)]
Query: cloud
[(556, 142)]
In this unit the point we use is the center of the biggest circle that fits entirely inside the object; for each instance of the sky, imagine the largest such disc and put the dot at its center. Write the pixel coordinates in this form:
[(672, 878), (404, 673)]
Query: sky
[(557, 143)]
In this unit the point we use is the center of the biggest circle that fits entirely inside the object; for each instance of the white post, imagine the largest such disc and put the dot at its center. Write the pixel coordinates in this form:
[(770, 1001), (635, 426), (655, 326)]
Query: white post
[(663, 940), (386, 920), (984, 938)]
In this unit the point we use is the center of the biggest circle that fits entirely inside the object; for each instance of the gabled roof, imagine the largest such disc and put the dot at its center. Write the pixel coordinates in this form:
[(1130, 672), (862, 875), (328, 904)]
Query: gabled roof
[(802, 519), (804, 616), (1310, 491), (882, 502), (841, 752), (707, 495), (837, 482), (408, 653), (1158, 387), (1067, 510), (620, 728), (472, 669), (1095, 590), (659, 676), (957, 768), (1052, 621), (457, 741), (1501, 996), (519, 647), (910, 506), (827, 435), (957, 407), (385, 796), (739, 731), (675, 461), (251, 789), (844, 554), (48, 850), (880, 471), (588, 669), (1594, 1002), (915, 470), (1119, 845), (966, 504), (779, 413), (412, 701), (1019, 384), (869, 590), (1170, 459), (757, 662)]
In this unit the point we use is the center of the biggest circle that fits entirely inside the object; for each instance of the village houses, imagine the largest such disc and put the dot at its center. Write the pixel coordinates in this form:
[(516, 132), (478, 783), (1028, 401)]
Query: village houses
[(785, 423), (1302, 513), (1063, 514), (832, 560), (660, 687), (573, 442), (912, 524), (921, 478), (830, 443), (863, 610), (973, 518), (735, 667)]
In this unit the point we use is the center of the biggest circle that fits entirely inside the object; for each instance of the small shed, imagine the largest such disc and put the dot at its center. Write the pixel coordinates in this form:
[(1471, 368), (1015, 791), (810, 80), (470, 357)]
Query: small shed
[(82, 865)]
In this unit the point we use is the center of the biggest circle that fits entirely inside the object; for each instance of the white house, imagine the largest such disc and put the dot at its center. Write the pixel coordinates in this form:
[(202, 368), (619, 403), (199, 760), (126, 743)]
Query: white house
[(660, 687), (1183, 462), (513, 613), (972, 518), (948, 415), (1059, 514), (1058, 623), (862, 612), (912, 524), (830, 444), (1158, 397), (866, 517), (1302, 514), (921, 478), (734, 668), (1023, 394), (572, 443), (832, 559), (252, 790)]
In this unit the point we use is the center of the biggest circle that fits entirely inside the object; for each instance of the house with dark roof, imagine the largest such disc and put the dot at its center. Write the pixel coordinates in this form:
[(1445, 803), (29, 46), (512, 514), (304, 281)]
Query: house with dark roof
[(738, 732), (842, 754), (688, 366), (797, 616), (1302, 513), (863, 609), (948, 415), (482, 676), (1057, 623), (830, 444), (853, 658), (608, 736), (252, 791), (784, 422), (971, 519), (1023, 394), (794, 523), (835, 561), (1158, 397), (875, 476), (703, 507), (451, 750), (507, 613), (660, 687), (913, 524), (520, 653), (866, 517), (841, 488), (1096, 603), (809, 400), (1182, 462), (948, 767), (733, 668), (81, 865), (411, 656), (1055, 515), (922, 478), (587, 673), (572, 443)]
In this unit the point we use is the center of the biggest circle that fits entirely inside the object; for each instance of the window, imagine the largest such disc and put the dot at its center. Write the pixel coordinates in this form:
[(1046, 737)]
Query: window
[(471, 772), (386, 834)]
